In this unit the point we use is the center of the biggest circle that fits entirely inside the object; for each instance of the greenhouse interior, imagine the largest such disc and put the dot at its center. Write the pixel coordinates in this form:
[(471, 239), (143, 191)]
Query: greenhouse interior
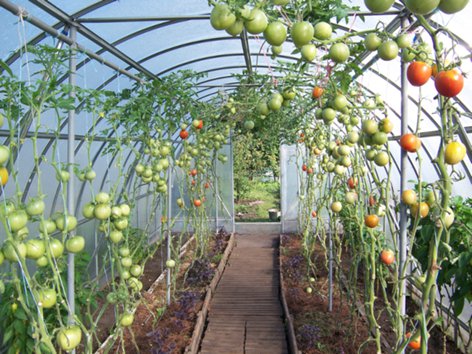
[(235, 176)]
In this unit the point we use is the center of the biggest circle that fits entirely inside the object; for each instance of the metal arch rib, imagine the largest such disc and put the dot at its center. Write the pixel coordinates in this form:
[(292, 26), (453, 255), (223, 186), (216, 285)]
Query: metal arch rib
[(13, 57), (62, 16)]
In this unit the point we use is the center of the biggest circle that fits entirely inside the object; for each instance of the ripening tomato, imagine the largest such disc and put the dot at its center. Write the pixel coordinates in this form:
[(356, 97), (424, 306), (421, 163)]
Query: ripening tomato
[(3, 175), (193, 172), (317, 92), (183, 134), (352, 182), (313, 214), (387, 256), (419, 73), (304, 168), (409, 197), (371, 220), (410, 142), (454, 153), (414, 343), (197, 202), (309, 171), (449, 83), (419, 209)]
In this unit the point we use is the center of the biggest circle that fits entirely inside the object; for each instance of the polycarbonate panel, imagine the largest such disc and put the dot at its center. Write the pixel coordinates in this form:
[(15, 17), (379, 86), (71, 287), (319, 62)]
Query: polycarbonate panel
[(71, 7), (289, 187), (15, 32), (147, 8), (224, 172)]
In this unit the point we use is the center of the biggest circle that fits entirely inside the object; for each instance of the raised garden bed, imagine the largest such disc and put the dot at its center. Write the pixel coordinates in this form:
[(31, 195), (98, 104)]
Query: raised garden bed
[(318, 331)]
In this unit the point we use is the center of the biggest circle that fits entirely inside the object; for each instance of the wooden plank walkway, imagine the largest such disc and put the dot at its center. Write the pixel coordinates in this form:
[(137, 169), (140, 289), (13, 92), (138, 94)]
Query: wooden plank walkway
[(245, 314)]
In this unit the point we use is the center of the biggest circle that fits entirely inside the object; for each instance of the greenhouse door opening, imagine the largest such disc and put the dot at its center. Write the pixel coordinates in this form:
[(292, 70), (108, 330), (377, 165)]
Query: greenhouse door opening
[(256, 180)]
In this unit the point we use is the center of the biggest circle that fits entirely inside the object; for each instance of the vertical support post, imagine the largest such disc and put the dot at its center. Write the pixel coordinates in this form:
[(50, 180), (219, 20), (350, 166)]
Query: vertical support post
[(70, 161), (216, 196), (402, 242), (169, 231), (330, 260), (232, 180)]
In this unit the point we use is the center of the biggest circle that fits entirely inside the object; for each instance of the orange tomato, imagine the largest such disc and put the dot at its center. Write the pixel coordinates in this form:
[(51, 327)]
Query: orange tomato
[(387, 256), (371, 220), (317, 92)]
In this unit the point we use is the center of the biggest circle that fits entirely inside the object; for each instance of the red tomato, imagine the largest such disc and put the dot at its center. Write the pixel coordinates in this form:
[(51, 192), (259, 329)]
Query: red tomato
[(206, 185), (418, 73), (352, 182), (410, 142), (183, 134), (197, 202), (304, 168), (193, 172), (449, 83), (313, 213), (414, 343), (309, 171)]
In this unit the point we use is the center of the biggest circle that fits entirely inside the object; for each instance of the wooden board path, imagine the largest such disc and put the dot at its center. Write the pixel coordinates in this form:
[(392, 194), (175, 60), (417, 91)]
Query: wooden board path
[(245, 315)]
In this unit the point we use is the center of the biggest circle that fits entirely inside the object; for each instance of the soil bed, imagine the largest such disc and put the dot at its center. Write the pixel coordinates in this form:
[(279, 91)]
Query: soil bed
[(341, 331)]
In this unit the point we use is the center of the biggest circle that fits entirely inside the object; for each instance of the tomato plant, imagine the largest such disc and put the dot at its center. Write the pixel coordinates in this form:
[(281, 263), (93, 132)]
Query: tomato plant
[(410, 142)]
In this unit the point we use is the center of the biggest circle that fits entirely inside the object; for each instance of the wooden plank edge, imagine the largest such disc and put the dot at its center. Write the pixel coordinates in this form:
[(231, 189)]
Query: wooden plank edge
[(292, 340), (197, 334), (151, 289)]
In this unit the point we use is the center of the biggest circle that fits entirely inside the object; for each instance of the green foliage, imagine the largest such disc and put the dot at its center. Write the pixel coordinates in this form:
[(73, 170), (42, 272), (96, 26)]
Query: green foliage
[(454, 257)]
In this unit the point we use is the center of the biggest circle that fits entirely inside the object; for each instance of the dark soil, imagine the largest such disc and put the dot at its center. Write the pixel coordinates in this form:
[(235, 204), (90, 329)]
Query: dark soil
[(343, 330)]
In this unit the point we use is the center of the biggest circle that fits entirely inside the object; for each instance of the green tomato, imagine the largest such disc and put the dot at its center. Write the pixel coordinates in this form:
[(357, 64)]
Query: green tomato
[(323, 31), (47, 297), (126, 320), (370, 126), (17, 220), (2, 257), (275, 33), (221, 17), (382, 159), (421, 7), (136, 270), (372, 42), (126, 262), (452, 6), (69, 338), (102, 211), (170, 263), (66, 222), (42, 261), (75, 244), (124, 251), (248, 124), (276, 50), (339, 52), (56, 247), (35, 206), (378, 6), (257, 22), (302, 33), (236, 28), (404, 41), (11, 254), (388, 50), (308, 52), (116, 236), (103, 197), (4, 154), (88, 210), (35, 248)]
